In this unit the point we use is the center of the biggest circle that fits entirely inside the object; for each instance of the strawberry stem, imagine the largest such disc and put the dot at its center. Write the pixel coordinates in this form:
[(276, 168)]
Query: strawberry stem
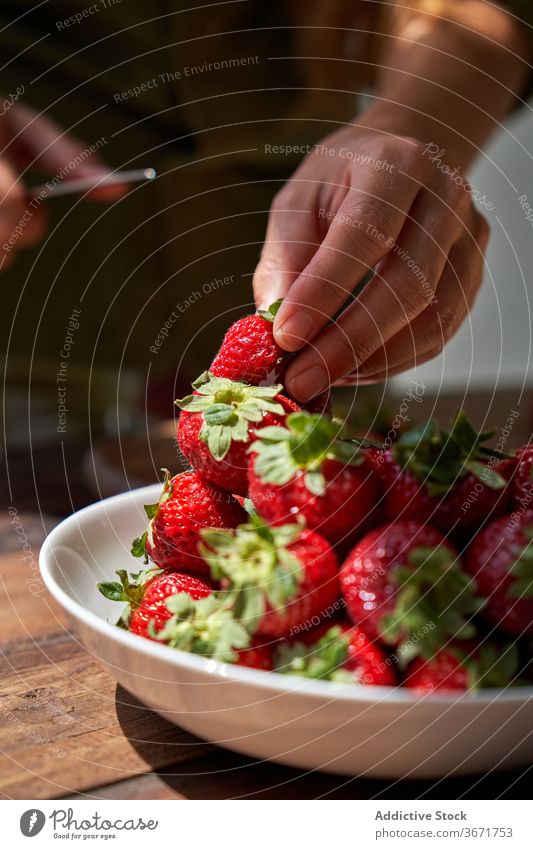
[(434, 603), (303, 444), (439, 458), (228, 408), (203, 626), (255, 565)]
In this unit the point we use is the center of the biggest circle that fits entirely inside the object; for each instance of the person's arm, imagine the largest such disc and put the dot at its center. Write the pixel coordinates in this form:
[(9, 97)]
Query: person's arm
[(383, 193)]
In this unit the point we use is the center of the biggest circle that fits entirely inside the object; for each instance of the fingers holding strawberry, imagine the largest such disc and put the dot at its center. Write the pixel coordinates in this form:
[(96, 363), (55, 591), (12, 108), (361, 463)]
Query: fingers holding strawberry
[(249, 352)]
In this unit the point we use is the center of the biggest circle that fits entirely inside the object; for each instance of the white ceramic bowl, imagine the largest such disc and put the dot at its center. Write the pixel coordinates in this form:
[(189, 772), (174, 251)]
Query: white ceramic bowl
[(375, 731)]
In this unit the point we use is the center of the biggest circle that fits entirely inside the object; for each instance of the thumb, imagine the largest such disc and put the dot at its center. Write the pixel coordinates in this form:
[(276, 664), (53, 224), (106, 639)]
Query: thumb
[(290, 243), (40, 142)]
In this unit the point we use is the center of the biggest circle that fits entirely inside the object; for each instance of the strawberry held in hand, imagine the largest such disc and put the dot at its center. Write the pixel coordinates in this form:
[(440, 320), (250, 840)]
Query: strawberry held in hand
[(442, 477), (279, 578), (187, 504), (500, 559), (463, 666), (249, 352), (304, 469), (342, 654), (402, 585), (218, 422), (147, 597)]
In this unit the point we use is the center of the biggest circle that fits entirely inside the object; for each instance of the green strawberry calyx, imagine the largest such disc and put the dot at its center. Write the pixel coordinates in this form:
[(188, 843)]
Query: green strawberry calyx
[(439, 458), (229, 407), (271, 312), (138, 546), (522, 570), (302, 445), (255, 566), (434, 603), (204, 626), (130, 588), (323, 660)]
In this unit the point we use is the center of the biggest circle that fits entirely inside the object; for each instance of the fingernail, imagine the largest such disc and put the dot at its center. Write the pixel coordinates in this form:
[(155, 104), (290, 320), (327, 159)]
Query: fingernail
[(308, 383), (294, 331)]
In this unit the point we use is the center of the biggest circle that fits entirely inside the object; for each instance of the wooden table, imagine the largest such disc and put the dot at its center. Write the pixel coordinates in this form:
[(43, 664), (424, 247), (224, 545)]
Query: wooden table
[(68, 731)]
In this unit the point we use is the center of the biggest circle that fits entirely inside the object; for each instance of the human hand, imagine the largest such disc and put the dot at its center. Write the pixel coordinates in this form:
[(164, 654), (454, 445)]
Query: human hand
[(27, 138), (366, 199)]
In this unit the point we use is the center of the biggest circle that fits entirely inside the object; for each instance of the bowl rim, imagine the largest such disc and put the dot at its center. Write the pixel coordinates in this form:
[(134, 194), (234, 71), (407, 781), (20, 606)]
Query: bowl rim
[(272, 681)]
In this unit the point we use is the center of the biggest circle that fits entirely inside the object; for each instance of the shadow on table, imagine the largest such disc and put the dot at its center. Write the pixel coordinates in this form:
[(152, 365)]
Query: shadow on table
[(181, 765)]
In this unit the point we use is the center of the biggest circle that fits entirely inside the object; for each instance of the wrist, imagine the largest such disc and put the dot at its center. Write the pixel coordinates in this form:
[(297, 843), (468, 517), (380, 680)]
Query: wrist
[(402, 120)]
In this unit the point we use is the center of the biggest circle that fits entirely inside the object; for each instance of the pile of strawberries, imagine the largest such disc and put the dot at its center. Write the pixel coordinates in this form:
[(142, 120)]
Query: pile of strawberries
[(290, 547)]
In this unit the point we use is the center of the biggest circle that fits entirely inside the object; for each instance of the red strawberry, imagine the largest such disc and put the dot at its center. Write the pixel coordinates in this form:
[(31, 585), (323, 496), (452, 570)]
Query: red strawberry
[(218, 423), (463, 667), (444, 671), (305, 469), (500, 558), (147, 598), (342, 654), (259, 656), (447, 478), (187, 504), (249, 352), (519, 471), (204, 626), (401, 584), (279, 578), (321, 404)]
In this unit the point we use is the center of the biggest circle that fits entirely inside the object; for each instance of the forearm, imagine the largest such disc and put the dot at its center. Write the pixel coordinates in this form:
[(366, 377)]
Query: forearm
[(450, 81)]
